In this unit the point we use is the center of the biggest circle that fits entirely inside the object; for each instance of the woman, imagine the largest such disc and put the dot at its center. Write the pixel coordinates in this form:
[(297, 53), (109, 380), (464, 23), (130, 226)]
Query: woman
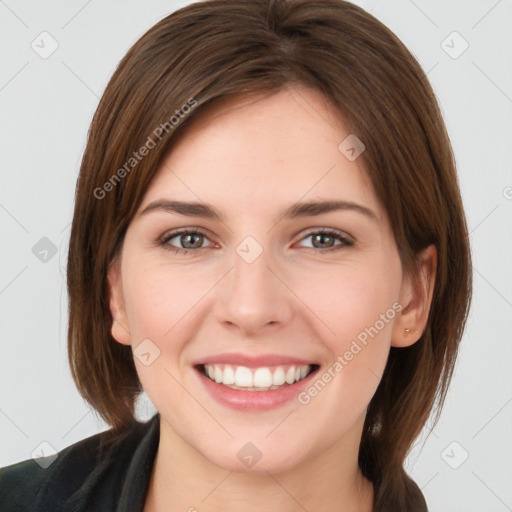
[(269, 240)]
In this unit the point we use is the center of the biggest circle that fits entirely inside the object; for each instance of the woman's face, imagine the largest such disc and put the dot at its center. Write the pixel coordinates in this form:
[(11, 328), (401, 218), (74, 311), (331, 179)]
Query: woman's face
[(259, 295)]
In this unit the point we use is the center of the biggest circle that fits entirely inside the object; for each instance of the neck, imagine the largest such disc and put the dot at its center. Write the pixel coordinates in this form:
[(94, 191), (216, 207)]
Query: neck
[(184, 480)]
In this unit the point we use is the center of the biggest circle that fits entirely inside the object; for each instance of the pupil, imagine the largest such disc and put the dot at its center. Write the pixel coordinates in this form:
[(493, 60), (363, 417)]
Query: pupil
[(323, 237), (187, 238)]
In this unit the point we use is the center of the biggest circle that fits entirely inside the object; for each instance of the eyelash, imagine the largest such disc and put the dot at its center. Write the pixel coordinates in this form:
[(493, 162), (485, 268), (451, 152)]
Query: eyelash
[(345, 240)]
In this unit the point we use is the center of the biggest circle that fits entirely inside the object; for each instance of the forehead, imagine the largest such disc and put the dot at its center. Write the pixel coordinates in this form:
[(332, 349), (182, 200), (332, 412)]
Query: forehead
[(262, 150)]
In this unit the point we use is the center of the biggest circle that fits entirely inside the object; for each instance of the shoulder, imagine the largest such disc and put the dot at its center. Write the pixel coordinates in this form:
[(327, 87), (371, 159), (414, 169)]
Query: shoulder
[(95, 463)]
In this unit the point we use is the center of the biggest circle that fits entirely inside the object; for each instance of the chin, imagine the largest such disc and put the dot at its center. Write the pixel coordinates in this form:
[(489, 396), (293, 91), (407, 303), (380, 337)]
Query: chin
[(247, 458)]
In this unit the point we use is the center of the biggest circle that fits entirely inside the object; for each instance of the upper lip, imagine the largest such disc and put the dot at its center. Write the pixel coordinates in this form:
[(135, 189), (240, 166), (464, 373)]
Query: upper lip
[(237, 359)]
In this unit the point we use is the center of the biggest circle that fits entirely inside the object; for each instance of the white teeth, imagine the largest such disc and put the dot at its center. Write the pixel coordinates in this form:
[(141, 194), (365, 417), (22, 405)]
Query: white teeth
[(243, 377), (278, 377), (257, 379), (262, 378), (229, 375), (290, 375)]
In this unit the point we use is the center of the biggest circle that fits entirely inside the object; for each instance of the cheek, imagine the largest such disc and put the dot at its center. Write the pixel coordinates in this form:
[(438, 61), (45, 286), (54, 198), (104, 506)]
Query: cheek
[(159, 305), (159, 298), (353, 298), (164, 304), (357, 311)]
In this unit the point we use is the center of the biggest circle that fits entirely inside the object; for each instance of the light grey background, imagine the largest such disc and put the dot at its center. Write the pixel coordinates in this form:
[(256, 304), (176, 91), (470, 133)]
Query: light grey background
[(46, 107)]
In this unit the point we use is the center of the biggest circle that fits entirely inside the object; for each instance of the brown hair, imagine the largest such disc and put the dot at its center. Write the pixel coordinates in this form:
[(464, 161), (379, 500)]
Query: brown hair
[(213, 50)]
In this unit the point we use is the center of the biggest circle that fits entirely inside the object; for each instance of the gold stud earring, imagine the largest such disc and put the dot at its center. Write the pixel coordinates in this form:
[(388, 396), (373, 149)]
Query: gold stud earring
[(407, 331)]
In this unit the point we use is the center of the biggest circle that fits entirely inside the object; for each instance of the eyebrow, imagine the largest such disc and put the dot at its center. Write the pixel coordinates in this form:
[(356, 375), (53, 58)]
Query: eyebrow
[(296, 210)]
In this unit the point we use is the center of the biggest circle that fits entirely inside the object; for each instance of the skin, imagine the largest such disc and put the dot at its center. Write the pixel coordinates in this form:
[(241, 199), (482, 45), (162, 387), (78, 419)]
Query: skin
[(251, 159)]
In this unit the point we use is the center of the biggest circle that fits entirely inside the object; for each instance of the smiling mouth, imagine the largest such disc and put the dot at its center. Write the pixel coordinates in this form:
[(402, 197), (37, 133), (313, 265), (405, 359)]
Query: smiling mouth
[(265, 378)]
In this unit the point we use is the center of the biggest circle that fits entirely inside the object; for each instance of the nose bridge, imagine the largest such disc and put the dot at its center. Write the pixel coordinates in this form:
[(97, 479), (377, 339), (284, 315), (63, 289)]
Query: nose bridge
[(251, 273), (253, 296)]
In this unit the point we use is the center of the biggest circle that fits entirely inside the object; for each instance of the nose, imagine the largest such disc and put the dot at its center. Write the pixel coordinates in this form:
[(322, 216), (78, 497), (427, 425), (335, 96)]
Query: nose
[(254, 295)]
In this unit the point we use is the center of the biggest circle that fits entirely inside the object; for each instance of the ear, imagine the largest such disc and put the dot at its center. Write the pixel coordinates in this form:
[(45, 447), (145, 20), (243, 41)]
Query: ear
[(416, 298), (119, 329)]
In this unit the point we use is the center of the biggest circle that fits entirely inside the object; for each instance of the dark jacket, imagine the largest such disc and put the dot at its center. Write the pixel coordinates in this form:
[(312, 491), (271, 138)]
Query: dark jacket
[(84, 479)]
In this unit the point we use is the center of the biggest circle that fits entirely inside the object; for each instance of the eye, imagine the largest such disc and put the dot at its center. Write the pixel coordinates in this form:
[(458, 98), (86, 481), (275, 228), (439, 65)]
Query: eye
[(192, 240), (189, 239), (323, 240)]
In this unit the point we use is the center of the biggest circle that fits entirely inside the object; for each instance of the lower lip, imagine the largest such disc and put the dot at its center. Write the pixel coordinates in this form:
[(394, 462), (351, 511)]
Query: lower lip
[(254, 400)]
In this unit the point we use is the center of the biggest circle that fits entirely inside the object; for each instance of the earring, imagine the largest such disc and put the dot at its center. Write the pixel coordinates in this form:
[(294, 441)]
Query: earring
[(407, 331)]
